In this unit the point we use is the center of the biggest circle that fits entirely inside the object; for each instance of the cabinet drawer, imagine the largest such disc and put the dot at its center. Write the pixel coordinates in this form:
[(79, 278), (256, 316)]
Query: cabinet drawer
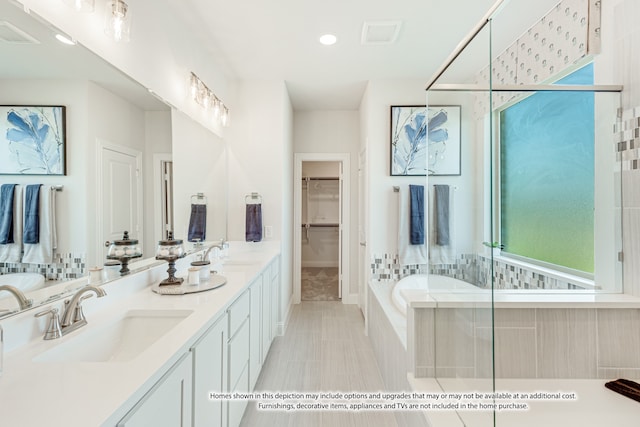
[(239, 357), (237, 407), (238, 312)]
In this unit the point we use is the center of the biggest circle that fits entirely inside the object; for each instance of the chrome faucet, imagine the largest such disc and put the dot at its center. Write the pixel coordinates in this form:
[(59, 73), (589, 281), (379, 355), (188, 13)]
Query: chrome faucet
[(73, 317), (22, 300), (222, 245)]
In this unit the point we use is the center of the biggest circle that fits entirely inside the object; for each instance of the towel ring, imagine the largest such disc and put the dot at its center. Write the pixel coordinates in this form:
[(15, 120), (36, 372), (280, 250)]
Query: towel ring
[(253, 199), (199, 199)]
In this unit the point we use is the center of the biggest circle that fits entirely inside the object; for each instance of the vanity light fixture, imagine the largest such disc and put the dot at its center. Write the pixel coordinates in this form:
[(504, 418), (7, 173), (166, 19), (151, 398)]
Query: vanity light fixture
[(225, 117), (87, 6), (117, 23), (204, 97)]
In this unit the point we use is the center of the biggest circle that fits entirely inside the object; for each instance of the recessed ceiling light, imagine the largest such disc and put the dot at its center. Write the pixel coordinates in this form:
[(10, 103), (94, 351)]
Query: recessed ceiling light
[(66, 40), (328, 39)]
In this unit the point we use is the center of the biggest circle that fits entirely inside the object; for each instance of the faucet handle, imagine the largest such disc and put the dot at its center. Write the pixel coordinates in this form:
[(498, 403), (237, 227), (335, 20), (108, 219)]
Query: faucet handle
[(53, 330), (78, 314)]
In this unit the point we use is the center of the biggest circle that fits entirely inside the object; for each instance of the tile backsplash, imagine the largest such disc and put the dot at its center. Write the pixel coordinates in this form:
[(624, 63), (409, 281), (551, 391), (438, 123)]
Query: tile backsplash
[(472, 268), (65, 266)]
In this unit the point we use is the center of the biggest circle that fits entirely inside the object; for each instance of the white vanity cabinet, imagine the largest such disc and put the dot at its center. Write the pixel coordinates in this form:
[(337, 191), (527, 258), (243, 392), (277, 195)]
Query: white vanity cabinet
[(275, 294), (168, 403), (255, 319), (210, 375), (238, 355)]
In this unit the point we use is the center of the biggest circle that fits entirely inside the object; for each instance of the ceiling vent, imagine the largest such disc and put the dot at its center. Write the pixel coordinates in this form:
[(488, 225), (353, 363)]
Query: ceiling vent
[(380, 32), (9, 33)]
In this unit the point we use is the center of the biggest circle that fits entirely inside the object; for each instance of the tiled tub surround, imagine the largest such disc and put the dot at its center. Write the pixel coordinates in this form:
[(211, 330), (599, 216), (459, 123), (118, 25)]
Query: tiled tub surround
[(568, 341), (476, 269), (65, 266), (581, 340)]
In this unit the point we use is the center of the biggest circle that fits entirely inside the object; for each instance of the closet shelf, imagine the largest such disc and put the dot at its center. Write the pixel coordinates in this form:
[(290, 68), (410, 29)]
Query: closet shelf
[(321, 225), (321, 178)]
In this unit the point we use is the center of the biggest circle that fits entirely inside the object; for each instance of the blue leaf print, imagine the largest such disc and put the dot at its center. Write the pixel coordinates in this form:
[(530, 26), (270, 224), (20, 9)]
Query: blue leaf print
[(438, 135), (35, 139)]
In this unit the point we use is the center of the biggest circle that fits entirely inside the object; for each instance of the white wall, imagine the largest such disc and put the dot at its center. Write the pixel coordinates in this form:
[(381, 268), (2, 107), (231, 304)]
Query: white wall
[(261, 160), (92, 113), (157, 141), (335, 132), (161, 54), (199, 166), (116, 121), (383, 204), (71, 208)]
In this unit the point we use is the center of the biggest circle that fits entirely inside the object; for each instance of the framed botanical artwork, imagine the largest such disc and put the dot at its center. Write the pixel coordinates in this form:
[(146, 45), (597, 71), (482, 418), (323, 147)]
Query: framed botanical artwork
[(425, 140), (32, 140)]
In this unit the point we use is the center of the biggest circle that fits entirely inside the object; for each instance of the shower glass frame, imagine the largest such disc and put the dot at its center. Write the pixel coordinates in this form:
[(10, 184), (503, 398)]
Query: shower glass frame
[(448, 86)]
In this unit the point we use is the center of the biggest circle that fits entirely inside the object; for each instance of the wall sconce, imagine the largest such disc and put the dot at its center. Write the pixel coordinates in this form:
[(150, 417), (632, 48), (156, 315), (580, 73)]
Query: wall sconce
[(117, 22), (203, 96), (87, 6)]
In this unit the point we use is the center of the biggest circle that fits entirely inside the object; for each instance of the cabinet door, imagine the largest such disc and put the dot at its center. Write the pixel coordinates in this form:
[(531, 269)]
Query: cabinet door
[(255, 344), (266, 316), (210, 375), (275, 287), (275, 296), (168, 403)]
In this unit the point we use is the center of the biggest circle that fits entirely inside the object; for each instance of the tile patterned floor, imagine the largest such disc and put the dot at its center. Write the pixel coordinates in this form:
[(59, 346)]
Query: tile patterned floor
[(320, 284), (324, 349)]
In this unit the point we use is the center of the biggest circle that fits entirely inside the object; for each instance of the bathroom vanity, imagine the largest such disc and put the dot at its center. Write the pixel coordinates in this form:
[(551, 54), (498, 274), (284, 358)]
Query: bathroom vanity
[(147, 359)]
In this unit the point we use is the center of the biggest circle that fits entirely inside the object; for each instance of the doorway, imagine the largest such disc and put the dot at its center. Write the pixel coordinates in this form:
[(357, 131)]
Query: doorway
[(320, 226), (120, 193)]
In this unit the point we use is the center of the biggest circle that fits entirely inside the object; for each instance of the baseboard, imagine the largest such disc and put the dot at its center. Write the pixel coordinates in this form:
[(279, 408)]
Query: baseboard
[(282, 326), (350, 299), (319, 264)]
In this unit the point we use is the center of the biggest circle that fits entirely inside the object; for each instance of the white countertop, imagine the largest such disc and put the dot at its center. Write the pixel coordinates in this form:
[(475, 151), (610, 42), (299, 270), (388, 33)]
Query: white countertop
[(519, 299), (92, 394), (595, 406)]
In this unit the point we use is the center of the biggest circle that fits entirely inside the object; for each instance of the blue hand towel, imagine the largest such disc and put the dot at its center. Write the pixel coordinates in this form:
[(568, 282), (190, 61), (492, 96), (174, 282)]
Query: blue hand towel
[(416, 227), (197, 223), (31, 232), (442, 214), (6, 213), (253, 223)]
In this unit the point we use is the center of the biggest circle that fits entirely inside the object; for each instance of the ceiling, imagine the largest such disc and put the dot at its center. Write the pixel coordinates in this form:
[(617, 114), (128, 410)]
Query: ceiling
[(278, 40), (50, 59), (258, 39)]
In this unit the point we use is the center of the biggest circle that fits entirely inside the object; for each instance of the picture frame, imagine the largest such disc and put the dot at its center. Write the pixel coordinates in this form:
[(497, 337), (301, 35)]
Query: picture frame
[(425, 140), (32, 140)]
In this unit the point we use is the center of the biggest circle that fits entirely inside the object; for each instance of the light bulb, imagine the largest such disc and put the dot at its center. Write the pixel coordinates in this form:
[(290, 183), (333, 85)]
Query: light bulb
[(118, 20), (81, 5), (225, 117)]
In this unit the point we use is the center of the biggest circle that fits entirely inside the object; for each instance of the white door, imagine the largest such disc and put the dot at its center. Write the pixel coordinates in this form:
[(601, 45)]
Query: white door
[(362, 233), (341, 253), (121, 194)]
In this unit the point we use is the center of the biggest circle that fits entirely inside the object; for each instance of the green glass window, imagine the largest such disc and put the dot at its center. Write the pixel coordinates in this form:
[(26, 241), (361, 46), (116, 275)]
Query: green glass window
[(547, 176)]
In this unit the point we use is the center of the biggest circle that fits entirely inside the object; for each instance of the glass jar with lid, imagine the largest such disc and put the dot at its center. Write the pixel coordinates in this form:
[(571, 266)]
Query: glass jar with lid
[(124, 250)]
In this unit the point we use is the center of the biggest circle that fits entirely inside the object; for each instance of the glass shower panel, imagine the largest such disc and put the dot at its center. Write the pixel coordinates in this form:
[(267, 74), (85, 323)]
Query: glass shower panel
[(461, 269), (518, 132)]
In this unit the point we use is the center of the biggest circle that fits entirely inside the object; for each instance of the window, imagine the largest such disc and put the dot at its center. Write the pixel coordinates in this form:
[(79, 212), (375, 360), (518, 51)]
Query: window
[(547, 176)]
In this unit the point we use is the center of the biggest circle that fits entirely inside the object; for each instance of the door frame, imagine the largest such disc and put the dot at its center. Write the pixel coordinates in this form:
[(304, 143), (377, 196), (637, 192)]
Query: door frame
[(102, 145), (158, 226), (345, 216)]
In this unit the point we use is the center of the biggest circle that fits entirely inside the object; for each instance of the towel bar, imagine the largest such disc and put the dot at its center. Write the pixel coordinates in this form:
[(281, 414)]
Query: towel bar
[(253, 198)]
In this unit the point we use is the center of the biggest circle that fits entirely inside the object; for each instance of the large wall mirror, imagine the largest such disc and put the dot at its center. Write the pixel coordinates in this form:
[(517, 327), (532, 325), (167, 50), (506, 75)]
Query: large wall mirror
[(121, 171)]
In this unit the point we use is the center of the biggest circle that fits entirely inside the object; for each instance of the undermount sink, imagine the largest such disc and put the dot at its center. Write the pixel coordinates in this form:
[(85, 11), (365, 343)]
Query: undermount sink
[(119, 341)]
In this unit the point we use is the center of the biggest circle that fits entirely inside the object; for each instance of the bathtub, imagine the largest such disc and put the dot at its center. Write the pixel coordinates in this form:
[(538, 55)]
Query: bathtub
[(23, 281), (429, 283)]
